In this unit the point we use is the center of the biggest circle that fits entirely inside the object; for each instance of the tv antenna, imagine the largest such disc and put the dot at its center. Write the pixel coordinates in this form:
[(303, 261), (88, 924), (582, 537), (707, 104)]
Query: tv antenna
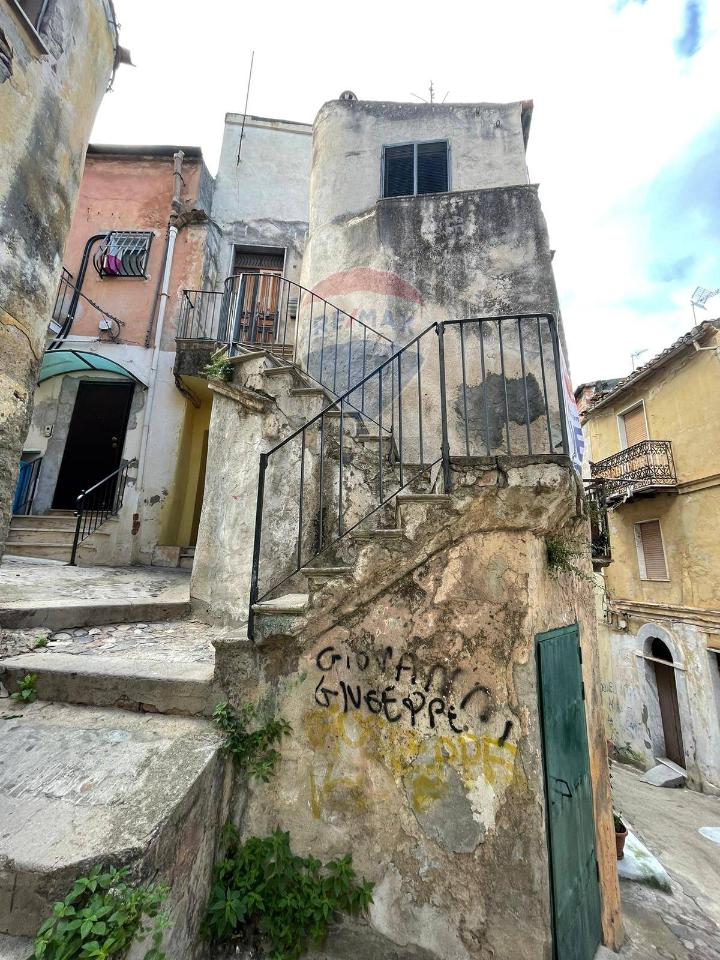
[(431, 91), (700, 298), (247, 97), (634, 356)]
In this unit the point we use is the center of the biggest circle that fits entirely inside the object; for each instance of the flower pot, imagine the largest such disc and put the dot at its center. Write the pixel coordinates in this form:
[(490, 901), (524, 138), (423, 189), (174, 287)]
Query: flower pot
[(620, 838)]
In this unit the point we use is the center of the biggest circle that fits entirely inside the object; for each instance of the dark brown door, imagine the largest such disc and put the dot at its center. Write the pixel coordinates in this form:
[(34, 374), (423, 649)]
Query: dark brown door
[(95, 438), (670, 713)]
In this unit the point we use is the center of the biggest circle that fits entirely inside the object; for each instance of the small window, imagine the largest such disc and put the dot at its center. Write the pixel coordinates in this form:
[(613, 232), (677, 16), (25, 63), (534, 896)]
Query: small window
[(34, 10), (415, 168), (634, 426), (123, 254), (650, 551)]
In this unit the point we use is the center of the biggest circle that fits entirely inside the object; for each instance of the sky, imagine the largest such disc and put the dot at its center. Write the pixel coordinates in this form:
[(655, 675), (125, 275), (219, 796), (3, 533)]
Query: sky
[(625, 137)]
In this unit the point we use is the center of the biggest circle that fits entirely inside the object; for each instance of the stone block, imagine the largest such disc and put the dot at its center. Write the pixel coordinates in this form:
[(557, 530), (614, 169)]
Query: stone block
[(664, 776)]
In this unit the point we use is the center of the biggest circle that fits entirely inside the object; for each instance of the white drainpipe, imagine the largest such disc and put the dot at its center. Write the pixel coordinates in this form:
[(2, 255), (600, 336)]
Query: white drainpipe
[(164, 296)]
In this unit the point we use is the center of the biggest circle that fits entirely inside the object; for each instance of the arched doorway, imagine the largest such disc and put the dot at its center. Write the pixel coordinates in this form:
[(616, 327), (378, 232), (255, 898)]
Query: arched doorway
[(668, 699)]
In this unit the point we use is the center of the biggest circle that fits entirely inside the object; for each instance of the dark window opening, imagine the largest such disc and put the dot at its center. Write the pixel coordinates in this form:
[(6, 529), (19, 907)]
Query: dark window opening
[(659, 650), (412, 169)]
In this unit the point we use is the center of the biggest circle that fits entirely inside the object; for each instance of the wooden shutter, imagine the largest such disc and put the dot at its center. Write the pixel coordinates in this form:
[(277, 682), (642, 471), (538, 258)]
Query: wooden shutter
[(651, 546), (432, 167), (399, 174), (249, 261), (634, 423)]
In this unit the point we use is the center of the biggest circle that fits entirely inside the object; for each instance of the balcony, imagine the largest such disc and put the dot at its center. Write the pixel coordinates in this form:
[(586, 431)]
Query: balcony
[(595, 498), (644, 468)]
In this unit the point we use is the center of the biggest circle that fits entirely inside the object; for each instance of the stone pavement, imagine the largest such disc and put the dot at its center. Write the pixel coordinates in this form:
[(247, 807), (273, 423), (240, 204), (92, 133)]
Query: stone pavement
[(683, 925), (45, 593)]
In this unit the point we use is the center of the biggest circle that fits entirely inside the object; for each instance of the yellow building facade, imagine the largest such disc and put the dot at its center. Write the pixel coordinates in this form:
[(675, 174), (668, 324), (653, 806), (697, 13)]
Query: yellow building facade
[(654, 445)]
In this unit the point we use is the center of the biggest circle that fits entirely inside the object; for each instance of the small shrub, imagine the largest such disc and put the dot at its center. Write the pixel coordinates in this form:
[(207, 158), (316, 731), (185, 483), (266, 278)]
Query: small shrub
[(41, 641), (26, 692), (101, 917), (561, 554), (219, 368), (278, 901), (252, 750)]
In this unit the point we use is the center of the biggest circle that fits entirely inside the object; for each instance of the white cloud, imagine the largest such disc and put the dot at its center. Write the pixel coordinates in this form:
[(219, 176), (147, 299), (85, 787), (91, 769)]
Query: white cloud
[(614, 105)]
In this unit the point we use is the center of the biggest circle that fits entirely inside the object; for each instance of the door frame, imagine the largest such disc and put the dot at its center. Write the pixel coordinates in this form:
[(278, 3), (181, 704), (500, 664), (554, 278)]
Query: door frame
[(539, 637)]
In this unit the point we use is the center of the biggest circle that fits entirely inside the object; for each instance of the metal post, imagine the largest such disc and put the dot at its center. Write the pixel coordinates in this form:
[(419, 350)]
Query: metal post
[(256, 544), (558, 380), (76, 538), (445, 450)]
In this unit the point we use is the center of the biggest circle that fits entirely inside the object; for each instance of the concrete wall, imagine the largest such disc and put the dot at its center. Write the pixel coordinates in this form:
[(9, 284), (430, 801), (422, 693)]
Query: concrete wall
[(48, 103), (262, 199), (487, 148), (446, 814), (124, 190), (682, 610)]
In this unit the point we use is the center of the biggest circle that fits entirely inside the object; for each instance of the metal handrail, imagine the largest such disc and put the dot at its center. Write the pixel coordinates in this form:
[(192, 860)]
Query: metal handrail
[(290, 322), (100, 501), (493, 412)]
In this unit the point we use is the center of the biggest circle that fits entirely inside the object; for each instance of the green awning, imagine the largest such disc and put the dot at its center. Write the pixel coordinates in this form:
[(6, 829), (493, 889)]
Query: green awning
[(57, 362)]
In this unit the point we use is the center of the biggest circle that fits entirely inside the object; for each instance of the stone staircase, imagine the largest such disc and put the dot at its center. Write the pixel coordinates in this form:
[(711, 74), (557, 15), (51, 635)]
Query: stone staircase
[(50, 536), (115, 763)]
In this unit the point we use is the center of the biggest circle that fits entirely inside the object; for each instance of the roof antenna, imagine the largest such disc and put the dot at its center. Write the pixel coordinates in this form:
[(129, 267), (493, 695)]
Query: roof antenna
[(431, 90), (700, 297), (634, 356), (247, 97)]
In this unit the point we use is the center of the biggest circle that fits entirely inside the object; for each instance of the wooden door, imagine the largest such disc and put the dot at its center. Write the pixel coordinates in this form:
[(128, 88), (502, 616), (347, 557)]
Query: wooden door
[(568, 791), (670, 713)]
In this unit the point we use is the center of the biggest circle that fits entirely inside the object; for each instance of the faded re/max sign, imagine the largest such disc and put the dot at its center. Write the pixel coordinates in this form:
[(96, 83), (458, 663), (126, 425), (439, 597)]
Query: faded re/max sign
[(400, 688)]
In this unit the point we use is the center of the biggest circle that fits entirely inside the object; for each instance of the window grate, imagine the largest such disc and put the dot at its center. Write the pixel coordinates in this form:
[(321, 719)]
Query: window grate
[(123, 253)]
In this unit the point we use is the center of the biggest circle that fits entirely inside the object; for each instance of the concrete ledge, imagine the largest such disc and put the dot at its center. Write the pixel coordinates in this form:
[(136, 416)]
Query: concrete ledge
[(149, 686), (15, 948), (57, 616)]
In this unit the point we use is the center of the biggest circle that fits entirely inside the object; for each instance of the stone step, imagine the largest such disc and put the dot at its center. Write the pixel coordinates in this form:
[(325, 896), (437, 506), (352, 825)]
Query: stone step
[(15, 948), (292, 604), (147, 686), (327, 573), (82, 786), (378, 533), (57, 614), (44, 551), (40, 535), (46, 521)]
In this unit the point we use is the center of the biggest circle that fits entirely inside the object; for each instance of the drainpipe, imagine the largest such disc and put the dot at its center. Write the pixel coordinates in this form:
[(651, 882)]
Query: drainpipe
[(164, 296)]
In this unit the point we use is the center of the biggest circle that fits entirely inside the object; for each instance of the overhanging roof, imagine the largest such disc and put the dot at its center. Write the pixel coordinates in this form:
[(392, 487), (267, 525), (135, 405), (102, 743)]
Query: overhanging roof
[(58, 362)]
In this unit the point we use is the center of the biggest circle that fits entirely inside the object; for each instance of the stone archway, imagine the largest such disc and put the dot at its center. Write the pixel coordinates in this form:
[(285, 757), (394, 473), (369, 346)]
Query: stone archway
[(664, 715)]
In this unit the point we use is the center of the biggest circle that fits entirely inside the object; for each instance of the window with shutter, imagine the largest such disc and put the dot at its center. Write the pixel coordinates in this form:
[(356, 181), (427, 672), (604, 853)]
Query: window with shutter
[(415, 168), (651, 554), (634, 425)]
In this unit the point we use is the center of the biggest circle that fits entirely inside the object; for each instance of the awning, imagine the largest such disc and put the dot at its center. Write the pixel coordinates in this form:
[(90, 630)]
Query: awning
[(57, 362)]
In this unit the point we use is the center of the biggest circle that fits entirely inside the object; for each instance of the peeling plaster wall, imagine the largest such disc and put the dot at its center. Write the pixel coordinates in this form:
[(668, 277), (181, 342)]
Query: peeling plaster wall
[(630, 699), (47, 107), (433, 777), (262, 199)]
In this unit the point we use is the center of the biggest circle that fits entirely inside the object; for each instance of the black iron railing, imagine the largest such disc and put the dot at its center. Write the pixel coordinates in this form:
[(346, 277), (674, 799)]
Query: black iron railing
[(595, 496), (27, 485), (267, 311), (63, 298), (97, 503), (644, 465), (462, 389), (67, 300)]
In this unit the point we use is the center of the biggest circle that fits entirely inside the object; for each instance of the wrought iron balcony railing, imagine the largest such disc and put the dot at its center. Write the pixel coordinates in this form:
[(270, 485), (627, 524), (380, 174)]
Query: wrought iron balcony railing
[(643, 467), (599, 527), (267, 311)]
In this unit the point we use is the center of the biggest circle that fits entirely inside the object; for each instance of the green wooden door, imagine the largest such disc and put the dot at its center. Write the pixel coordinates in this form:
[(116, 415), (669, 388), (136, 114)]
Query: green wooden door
[(568, 791)]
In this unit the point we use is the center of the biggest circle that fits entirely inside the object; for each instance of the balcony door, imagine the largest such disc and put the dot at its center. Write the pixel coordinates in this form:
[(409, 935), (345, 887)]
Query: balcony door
[(259, 294), (633, 429)]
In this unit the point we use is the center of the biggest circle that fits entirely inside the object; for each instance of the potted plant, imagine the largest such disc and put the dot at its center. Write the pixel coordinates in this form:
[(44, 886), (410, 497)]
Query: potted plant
[(620, 836)]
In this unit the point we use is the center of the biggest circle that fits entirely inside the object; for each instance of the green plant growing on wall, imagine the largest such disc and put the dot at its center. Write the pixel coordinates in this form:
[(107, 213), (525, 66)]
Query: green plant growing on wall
[(219, 368), (252, 751), (563, 551), (271, 898), (101, 917), (26, 692)]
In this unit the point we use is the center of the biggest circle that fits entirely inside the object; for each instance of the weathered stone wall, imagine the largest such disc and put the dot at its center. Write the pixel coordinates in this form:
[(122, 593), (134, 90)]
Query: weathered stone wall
[(416, 745), (48, 101)]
